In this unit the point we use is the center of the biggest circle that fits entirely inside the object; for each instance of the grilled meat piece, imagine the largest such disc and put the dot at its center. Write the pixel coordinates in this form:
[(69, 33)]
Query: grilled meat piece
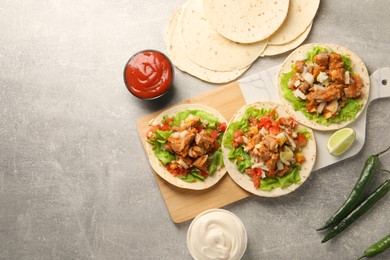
[(335, 61), (354, 88), (337, 75), (205, 140), (180, 144), (299, 64), (201, 162), (321, 59), (332, 92)]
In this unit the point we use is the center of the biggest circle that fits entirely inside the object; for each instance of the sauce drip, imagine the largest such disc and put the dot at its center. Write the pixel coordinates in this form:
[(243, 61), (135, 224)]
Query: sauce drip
[(148, 74)]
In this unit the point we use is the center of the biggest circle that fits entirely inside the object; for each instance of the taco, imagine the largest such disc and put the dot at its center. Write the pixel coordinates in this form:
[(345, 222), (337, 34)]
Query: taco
[(184, 146), (266, 151), (323, 86)]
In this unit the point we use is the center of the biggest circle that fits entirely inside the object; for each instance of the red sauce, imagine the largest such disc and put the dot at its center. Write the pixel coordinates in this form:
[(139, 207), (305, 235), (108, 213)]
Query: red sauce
[(148, 74)]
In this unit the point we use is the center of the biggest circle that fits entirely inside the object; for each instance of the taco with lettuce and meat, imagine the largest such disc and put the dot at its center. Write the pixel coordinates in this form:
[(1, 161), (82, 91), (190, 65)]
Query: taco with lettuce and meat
[(184, 146), (323, 86), (266, 151)]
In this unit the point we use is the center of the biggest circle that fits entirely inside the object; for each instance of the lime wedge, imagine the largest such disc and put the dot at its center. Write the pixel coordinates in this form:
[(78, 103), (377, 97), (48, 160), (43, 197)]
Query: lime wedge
[(340, 141)]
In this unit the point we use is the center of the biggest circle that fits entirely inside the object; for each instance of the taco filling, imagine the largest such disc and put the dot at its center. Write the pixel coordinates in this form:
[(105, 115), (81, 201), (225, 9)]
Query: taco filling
[(267, 148), (323, 87), (188, 144)]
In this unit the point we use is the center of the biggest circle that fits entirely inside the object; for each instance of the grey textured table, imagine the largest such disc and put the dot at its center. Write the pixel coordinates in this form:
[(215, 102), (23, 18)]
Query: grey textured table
[(74, 180)]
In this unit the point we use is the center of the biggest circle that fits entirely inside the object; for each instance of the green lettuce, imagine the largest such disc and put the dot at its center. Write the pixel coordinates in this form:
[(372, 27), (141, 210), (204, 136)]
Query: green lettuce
[(163, 155), (204, 116), (282, 182), (216, 159)]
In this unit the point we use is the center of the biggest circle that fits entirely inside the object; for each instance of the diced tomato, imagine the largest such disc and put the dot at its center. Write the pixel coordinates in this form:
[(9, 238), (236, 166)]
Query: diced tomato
[(265, 122), (151, 130), (283, 121), (214, 134), (238, 141), (203, 173), (199, 128), (174, 169), (275, 130), (221, 127), (267, 125), (301, 140), (256, 182), (238, 133), (216, 145), (165, 127), (255, 176)]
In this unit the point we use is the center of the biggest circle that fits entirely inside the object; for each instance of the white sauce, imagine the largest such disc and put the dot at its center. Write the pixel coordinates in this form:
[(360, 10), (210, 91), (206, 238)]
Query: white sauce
[(217, 234)]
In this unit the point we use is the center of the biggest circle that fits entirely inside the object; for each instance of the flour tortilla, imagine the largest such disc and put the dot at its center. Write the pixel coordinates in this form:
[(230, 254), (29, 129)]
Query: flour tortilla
[(357, 66), (176, 52), (209, 49), (300, 14), (279, 49), (244, 181), (160, 169), (246, 21)]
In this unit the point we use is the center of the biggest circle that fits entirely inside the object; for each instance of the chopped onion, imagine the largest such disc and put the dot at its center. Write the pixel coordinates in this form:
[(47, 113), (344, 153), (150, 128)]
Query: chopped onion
[(197, 138), (322, 77), (304, 69), (263, 131), (347, 78), (321, 107), (182, 164), (175, 135), (332, 106), (291, 141), (308, 77), (318, 87), (297, 83), (299, 94), (280, 165), (281, 135), (183, 133), (260, 165)]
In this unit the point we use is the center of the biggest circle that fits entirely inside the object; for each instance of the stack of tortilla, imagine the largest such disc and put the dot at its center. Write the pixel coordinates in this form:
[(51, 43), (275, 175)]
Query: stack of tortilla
[(218, 40)]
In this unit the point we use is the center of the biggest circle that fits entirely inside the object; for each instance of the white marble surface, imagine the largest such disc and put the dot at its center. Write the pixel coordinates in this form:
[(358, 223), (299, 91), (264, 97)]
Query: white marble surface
[(74, 180)]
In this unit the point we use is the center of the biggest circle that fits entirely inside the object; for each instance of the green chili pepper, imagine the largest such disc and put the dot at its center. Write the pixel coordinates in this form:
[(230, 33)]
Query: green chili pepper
[(360, 210), (377, 248), (357, 192)]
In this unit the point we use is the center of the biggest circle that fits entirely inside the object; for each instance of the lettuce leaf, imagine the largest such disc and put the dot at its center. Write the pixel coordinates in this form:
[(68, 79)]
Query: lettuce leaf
[(163, 155), (204, 116), (292, 177), (216, 160)]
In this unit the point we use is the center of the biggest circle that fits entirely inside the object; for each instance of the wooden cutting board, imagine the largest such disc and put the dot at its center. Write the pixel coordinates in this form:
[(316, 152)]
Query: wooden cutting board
[(185, 204)]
